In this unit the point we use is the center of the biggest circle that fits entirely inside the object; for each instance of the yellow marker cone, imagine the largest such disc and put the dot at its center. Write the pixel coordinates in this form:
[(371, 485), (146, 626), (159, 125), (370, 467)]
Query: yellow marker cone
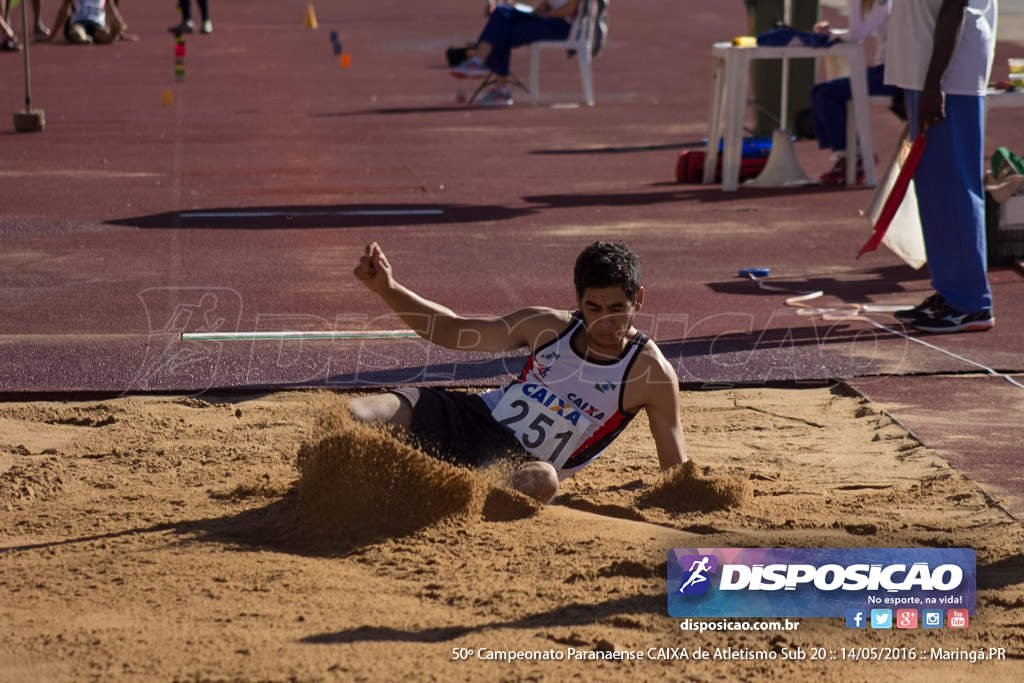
[(310, 17), (346, 61), (168, 97)]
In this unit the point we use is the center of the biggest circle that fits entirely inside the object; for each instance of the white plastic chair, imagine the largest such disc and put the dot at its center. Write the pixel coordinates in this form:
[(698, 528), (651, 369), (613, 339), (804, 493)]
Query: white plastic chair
[(581, 39)]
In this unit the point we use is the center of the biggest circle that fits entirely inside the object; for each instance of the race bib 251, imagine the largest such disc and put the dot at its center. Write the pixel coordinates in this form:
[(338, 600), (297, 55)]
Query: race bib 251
[(547, 425)]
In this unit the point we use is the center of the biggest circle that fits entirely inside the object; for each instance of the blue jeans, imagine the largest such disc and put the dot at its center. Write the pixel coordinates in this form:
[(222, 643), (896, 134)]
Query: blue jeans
[(508, 28), (828, 106), (951, 201)]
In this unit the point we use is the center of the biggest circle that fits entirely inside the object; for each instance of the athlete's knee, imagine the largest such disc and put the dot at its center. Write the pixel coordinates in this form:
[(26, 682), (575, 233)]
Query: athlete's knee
[(538, 480), (390, 409)]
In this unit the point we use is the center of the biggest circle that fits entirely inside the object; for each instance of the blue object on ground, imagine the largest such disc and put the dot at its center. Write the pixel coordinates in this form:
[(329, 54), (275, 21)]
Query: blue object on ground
[(752, 147), (755, 272)]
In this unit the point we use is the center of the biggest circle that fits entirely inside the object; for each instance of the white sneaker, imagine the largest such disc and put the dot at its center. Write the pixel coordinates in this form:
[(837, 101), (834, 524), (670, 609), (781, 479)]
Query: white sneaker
[(471, 68), (207, 27), (499, 97)]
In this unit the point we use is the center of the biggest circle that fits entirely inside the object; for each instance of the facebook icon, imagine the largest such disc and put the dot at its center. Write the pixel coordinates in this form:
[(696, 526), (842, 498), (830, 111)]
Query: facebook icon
[(856, 618)]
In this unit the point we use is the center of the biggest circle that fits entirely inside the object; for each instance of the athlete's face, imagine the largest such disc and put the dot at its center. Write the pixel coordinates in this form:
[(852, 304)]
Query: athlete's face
[(608, 314)]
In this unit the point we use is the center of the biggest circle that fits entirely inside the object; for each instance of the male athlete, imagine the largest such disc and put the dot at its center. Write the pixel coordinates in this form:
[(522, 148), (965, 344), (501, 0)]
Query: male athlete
[(589, 373)]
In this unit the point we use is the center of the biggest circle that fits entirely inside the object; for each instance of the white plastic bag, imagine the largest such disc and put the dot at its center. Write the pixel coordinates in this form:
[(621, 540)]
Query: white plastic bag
[(904, 237)]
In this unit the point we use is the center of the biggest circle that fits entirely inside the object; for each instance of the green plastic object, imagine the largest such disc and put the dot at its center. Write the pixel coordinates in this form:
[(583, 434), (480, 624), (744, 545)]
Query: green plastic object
[(1003, 158)]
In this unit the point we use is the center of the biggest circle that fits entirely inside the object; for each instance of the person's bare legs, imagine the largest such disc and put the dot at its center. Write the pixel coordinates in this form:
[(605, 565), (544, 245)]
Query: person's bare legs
[(538, 480), (37, 11), (4, 28), (8, 33), (483, 52), (483, 49), (386, 409)]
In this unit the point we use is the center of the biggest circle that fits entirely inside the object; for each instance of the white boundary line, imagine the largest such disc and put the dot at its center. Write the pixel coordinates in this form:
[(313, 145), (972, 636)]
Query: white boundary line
[(948, 353), (854, 311)]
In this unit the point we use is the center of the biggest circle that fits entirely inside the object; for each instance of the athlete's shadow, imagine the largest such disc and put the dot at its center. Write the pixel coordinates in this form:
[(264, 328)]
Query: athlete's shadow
[(566, 615)]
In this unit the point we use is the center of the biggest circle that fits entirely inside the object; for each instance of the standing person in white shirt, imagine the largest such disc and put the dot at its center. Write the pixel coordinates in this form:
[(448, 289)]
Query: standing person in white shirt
[(941, 53), (828, 99)]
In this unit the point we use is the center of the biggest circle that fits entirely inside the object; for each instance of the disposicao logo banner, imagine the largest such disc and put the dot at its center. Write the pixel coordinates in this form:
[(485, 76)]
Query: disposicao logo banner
[(816, 582)]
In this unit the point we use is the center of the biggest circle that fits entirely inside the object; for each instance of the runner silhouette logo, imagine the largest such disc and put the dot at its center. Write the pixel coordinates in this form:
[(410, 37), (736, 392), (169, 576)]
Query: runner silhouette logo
[(698, 567)]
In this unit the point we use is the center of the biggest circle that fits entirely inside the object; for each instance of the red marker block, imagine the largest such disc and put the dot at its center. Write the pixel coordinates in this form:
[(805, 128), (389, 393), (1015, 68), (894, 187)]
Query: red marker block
[(179, 50)]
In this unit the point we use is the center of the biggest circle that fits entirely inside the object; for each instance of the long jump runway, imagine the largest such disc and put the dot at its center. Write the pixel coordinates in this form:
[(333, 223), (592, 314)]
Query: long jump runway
[(243, 205)]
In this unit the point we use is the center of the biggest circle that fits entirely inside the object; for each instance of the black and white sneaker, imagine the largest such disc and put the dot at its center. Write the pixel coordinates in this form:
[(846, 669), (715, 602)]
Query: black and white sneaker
[(923, 310), (944, 319), (187, 26)]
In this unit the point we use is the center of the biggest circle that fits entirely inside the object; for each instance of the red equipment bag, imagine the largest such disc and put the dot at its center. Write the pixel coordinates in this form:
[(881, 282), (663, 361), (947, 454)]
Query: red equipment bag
[(690, 167)]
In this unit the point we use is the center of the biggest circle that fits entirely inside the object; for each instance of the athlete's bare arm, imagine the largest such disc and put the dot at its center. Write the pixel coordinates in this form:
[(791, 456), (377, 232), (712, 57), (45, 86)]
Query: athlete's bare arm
[(527, 327), (653, 386)]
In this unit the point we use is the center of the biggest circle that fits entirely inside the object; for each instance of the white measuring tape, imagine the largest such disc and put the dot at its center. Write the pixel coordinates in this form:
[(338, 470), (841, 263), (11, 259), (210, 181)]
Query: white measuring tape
[(294, 335), (856, 311)]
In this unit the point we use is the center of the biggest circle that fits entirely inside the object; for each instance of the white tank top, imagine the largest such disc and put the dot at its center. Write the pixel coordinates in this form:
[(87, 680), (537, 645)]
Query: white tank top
[(90, 10), (563, 408)]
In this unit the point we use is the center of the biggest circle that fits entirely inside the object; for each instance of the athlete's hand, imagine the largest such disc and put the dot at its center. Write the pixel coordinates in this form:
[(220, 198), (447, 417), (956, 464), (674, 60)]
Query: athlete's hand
[(931, 108), (374, 271)]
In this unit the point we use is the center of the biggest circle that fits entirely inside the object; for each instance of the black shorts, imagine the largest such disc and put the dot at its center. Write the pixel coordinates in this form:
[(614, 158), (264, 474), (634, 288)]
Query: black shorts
[(456, 426), (91, 28)]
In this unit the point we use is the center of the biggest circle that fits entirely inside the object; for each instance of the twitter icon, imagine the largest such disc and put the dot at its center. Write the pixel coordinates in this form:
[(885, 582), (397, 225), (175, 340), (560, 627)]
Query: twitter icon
[(881, 618)]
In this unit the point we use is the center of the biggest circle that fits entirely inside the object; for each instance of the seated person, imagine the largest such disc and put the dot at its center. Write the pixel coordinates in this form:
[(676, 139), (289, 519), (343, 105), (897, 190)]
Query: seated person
[(86, 22), (588, 374), (509, 27), (828, 99)]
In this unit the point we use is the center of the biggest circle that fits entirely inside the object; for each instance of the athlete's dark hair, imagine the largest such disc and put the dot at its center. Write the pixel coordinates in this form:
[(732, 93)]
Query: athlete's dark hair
[(608, 264)]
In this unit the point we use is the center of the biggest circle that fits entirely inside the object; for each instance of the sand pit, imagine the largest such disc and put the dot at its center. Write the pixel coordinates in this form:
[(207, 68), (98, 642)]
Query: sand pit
[(157, 538)]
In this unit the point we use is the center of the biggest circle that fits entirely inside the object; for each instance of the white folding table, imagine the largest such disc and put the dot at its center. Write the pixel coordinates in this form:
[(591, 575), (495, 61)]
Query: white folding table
[(729, 101)]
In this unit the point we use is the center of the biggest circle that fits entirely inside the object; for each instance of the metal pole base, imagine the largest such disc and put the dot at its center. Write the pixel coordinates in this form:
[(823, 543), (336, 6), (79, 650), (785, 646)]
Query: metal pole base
[(29, 121), (782, 169)]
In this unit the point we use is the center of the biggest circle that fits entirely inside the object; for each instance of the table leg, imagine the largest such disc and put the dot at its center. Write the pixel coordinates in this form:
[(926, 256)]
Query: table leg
[(735, 105), (714, 123), (862, 111)]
